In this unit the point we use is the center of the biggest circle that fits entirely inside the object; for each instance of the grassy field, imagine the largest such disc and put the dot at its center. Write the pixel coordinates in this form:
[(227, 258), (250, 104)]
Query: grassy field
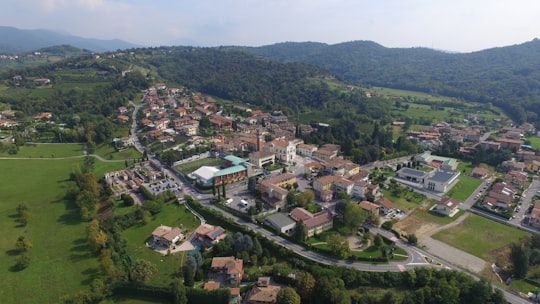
[(535, 142), (464, 188), (47, 151), (479, 236), (60, 260), (168, 266), (411, 200), (107, 151)]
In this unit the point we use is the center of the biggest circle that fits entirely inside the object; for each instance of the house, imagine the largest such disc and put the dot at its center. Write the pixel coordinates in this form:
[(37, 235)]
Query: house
[(167, 236), (272, 191), (447, 206), (385, 205), (263, 293), (232, 267), (305, 149), (369, 207), (43, 116), (122, 110), (534, 219), (122, 119), (479, 173), (315, 223), (209, 234), (281, 222)]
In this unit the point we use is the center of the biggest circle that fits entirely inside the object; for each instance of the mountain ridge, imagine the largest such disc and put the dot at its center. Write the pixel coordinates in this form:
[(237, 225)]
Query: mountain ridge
[(17, 41)]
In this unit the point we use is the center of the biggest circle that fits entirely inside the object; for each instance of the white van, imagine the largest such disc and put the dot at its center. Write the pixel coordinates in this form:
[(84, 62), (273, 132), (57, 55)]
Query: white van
[(244, 203), (228, 201)]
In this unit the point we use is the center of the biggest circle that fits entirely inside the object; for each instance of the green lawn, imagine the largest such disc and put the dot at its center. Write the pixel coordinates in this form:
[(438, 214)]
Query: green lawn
[(464, 188), (47, 151), (168, 266), (60, 260), (480, 236)]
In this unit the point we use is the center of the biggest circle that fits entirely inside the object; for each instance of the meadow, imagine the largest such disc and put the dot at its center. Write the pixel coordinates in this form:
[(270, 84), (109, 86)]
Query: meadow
[(61, 262), (480, 236), (47, 151)]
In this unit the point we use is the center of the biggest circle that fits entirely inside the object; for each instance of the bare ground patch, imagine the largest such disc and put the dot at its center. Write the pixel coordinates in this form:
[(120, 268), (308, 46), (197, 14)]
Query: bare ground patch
[(417, 225)]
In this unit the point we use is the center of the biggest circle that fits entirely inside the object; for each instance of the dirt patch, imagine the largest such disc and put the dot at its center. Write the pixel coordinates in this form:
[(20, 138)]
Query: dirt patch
[(355, 242), (416, 225)]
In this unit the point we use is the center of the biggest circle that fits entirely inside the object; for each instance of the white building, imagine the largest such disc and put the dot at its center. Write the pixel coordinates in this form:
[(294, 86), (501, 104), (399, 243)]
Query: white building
[(284, 150)]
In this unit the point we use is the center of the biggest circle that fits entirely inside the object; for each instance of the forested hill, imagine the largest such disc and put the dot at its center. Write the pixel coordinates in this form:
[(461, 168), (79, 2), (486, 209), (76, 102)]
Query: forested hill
[(508, 76), (241, 77)]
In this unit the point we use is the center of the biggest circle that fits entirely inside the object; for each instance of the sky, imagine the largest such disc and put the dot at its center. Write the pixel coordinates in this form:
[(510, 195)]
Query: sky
[(450, 25)]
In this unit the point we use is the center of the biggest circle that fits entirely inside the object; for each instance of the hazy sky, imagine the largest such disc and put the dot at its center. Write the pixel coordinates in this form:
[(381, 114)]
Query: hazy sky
[(453, 25)]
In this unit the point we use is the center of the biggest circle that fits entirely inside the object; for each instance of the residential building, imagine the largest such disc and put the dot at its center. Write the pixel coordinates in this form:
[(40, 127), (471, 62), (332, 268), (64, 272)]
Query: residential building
[(447, 206), (263, 293), (385, 205), (315, 223), (305, 149), (534, 219), (369, 207), (273, 191), (232, 267), (167, 236), (479, 173), (209, 234)]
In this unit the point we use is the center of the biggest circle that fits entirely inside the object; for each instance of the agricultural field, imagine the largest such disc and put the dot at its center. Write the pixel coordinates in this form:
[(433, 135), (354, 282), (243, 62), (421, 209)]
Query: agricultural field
[(480, 236), (61, 262)]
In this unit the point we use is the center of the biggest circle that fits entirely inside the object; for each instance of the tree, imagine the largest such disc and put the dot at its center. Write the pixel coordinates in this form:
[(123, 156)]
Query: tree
[(287, 295), (127, 199), (309, 195), (339, 245), (189, 276), (142, 271), (180, 296), (257, 248), (23, 213), (22, 262), (378, 242), (301, 233), (305, 285), (354, 217), (519, 255), (23, 244)]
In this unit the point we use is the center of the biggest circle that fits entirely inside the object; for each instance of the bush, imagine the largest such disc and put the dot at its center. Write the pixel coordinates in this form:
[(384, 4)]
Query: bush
[(388, 225)]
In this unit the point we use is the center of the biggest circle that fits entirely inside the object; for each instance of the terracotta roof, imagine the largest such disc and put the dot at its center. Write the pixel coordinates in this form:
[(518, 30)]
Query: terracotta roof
[(232, 264), (319, 219), (167, 233), (267, 294), (211, 285), (386, 203), (368, 206), (301, 214)]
